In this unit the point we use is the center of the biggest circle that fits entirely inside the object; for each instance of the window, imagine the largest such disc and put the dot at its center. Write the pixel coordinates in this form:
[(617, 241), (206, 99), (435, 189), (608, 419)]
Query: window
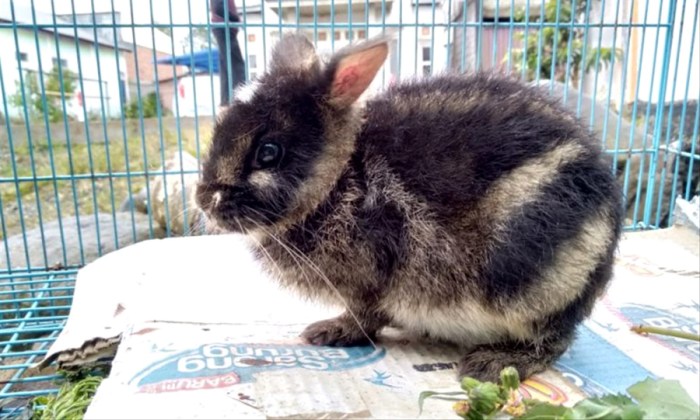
[(64, 63), (337, 35), (251, 37), (21, 56), (322, 36), (426, 53), (425, 31), (361, 34), (308, 33), (426, 62), (252, 61)]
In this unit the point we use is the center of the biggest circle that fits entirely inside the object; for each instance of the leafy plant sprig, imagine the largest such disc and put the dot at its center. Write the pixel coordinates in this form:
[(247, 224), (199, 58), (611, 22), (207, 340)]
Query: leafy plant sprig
[(648, 399), (71, 401)]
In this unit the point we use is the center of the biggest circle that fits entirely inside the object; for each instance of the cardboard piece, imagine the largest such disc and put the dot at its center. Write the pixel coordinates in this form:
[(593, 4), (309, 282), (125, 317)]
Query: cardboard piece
[(197, 331)]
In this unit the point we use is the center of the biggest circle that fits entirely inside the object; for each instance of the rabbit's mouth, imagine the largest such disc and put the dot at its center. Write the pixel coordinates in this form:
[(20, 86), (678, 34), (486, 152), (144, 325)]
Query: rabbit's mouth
[(234, 209)]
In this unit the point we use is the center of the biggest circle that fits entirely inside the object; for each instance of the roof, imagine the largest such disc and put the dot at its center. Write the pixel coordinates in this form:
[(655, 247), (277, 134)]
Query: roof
[(45, 22), (148, 38), (165, 72)]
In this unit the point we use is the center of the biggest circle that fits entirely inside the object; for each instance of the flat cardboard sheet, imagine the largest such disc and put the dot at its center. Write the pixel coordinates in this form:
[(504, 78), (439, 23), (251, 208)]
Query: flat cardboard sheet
[(197, 331)]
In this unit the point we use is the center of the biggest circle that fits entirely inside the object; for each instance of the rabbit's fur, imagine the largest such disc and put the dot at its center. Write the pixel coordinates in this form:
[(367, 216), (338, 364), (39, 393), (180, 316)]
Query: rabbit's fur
[(471, 209)]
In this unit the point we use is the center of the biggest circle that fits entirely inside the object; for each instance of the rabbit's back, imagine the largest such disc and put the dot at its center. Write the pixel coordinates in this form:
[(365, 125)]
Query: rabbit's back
[(451, 137), (506, 201)]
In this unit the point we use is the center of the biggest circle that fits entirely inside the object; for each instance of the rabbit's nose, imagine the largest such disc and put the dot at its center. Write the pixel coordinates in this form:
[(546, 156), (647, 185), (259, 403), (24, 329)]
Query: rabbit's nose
[(207, 197), (216, 199)]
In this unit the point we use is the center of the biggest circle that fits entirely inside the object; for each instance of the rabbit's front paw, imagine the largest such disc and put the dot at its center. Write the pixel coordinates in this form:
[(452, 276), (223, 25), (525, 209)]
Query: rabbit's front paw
[(339, 332)]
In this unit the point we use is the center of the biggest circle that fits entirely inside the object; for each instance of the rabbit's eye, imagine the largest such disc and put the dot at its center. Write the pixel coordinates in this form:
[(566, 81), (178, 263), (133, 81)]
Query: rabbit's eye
[(268, 154)]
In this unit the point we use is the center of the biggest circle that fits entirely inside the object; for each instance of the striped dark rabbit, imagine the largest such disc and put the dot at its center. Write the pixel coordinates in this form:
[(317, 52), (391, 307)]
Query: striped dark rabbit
[(465, 208)]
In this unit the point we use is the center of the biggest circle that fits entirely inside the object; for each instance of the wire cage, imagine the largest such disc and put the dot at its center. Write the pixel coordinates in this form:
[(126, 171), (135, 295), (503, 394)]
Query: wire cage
[(107, 108)]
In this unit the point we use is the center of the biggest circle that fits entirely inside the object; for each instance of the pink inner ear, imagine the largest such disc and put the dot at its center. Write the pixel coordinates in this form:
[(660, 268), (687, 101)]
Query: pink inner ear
[(355, 73), (345, 80)]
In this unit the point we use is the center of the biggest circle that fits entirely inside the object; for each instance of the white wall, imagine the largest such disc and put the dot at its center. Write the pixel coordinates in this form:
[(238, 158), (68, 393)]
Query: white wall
[(642, 72), (687, 70), (88, 60), (606, 86), (197, 87), (257, 40), (325, 38), (411, 40), (410, 46), (330, 39)]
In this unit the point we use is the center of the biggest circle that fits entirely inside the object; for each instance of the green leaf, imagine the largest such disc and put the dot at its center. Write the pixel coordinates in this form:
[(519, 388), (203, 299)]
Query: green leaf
[(664, 399), (575, 414), (627, 408), (615, 399), (614, 407), (474, 415), (427, 394), (545, 411), (454, 399), (421, 399)]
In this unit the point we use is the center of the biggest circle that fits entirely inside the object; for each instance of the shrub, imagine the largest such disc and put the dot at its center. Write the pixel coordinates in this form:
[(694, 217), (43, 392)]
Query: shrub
[(58, 86), (149, 107), (563, 45)]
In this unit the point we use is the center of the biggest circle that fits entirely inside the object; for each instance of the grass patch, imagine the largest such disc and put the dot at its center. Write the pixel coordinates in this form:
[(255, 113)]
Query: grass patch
[(85, 178)]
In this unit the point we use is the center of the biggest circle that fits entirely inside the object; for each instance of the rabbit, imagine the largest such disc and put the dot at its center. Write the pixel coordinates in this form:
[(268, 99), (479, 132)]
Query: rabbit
[(470, 209)]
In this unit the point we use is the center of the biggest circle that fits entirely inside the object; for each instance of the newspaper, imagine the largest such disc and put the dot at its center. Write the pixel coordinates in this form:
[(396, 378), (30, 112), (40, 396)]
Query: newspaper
[(195, 330)]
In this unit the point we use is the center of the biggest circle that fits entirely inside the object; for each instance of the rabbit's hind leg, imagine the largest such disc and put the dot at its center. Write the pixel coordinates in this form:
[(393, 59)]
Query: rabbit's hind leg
[(485, 362)]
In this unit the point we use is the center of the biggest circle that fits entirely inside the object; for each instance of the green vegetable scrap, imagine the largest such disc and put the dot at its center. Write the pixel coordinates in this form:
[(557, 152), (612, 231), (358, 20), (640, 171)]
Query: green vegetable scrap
[(664, 399), (650, 399), (648, 329), (609, 407), (71, 401)]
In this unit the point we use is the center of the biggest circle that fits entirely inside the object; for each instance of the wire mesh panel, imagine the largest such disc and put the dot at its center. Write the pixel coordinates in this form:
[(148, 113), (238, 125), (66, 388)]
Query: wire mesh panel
[(33, 307), (107, 108)]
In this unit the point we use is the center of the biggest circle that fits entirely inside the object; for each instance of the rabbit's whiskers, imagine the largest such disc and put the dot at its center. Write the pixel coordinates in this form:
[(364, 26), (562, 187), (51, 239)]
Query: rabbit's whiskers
[(294, 252)]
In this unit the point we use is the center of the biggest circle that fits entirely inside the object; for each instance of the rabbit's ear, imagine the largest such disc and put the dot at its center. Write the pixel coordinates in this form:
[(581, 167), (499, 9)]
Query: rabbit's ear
[(353, 69), (294, 52)]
